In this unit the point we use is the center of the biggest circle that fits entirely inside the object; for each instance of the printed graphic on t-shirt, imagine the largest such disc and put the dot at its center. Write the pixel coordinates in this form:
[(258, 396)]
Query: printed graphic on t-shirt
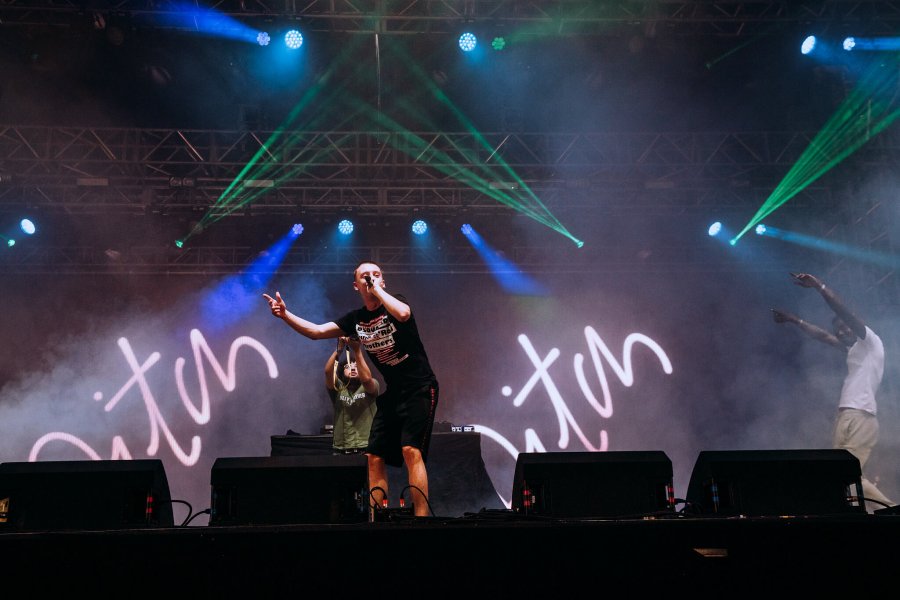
[(349, 400), (377, 336)]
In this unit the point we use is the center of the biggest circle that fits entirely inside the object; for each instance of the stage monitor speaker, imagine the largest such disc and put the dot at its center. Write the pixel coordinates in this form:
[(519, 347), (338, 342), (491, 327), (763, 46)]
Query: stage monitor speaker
[(84, 494), (776, 483), (290, 489), (619, 484)]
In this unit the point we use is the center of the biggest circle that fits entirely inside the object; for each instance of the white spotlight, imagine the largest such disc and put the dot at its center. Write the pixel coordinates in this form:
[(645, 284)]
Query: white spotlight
[(808, 45), (293, 39), (419, 227), (467, 42), (345, 227)]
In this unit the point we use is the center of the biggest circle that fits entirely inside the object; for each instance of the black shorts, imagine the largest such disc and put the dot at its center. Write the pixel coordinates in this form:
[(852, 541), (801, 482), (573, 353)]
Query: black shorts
[(403, 418)]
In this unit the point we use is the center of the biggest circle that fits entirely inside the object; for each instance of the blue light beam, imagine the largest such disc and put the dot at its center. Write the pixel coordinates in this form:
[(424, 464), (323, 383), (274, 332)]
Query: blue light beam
[(508, 275), (238, 295), (870, 256)]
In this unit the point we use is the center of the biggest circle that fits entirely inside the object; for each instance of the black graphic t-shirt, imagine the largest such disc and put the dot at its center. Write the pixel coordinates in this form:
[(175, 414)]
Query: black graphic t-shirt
[(394, 346)]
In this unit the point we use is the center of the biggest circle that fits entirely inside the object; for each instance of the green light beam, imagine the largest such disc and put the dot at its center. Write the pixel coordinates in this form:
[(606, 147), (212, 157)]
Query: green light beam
[(860, 117), (235, 196), (481, 184)]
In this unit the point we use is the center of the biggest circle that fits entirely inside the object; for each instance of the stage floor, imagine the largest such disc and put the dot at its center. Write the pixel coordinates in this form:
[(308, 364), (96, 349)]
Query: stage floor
[(493, 553)]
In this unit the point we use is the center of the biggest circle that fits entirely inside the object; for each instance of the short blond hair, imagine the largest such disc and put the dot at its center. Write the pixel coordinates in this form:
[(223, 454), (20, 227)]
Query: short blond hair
[(365, 262)]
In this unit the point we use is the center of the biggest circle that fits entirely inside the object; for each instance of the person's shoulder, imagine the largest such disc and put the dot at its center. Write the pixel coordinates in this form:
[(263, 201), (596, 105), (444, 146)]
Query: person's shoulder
[(871, 335), (403, 298), (350, 315)]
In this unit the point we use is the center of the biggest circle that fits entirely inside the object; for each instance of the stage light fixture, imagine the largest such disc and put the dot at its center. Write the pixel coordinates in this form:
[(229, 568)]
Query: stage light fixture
[(419, 227), (836, 49), (808, 45), (297, 229), (179, 182), (10, 242), (179, 243), (467, 41), (886, 44), (466, 229), (345, 227), (498, 43), (715, 229), (263, 39), (760, 229), (293, 39), (27, 226), (259, 183)]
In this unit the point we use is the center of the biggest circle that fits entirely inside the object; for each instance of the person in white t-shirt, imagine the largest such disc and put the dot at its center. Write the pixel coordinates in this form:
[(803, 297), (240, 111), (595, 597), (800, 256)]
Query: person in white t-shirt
[(856, 424)]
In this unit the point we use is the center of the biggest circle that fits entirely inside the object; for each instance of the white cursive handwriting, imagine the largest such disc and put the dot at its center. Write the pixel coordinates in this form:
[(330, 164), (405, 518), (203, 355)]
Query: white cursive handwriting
[(599, 351), (157, 422)]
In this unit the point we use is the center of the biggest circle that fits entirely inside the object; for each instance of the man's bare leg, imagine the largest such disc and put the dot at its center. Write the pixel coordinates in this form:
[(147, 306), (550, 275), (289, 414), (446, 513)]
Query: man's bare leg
[(378, 483), (418, 480)]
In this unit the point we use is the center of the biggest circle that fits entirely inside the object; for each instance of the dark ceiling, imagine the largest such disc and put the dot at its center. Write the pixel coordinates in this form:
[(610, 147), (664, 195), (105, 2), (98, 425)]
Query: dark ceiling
[(660, 106), (570, 65)]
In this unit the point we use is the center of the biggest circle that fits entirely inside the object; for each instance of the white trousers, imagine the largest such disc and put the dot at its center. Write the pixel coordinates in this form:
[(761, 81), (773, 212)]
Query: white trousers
[(857, 431)]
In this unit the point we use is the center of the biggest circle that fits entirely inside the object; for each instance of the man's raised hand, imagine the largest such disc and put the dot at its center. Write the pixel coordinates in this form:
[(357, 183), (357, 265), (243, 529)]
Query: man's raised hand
[(806, 280), (276, 304), (782, 316)]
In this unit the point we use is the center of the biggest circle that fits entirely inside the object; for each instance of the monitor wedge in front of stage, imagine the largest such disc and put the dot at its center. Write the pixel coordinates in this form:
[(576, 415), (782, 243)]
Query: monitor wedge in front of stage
[(775, 483), (289, 490), (84, 495), (622, 484)]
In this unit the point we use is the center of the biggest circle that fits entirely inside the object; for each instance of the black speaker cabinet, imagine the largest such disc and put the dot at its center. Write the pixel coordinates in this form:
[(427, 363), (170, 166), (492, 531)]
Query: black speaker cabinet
[(776, 483), (593, 484), (84, 494), (290, 489)]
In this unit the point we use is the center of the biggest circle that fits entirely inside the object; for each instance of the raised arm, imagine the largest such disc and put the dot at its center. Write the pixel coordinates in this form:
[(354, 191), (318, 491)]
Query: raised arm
[(397, 308), (305, 328), (331, 365), (814, 331), (834, 301), (369, 383)]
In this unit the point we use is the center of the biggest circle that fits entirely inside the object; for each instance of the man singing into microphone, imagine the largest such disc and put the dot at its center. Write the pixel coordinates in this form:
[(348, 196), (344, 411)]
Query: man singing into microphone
[(401, 430)]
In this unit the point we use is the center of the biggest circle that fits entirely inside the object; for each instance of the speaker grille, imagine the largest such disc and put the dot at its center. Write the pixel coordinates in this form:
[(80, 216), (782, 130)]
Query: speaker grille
[(289, 489), (593, 484), (775, 483), (89, 494)]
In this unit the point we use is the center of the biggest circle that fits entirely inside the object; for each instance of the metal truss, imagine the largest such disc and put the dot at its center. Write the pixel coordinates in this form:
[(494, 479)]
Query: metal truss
[(690, 17), (77, 170), (461, 259), (94, 174)]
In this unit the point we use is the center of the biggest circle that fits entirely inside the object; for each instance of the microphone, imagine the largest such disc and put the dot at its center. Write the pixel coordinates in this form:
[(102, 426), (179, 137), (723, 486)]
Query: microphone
[(368, 280)]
